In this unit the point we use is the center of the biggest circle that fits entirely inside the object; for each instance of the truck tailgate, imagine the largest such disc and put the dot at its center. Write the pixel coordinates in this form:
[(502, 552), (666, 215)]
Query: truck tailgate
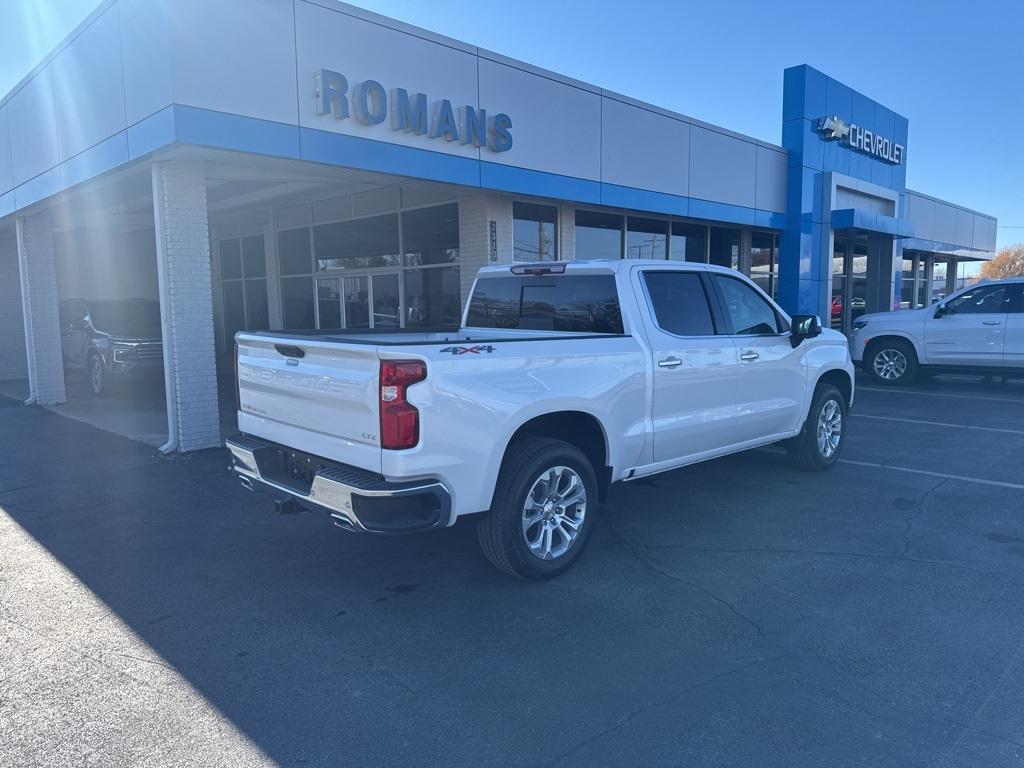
[(315, 396)]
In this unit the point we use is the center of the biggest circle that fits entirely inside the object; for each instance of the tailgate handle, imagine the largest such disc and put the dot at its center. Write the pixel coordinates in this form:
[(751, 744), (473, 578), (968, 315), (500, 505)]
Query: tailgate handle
[(289, 351)]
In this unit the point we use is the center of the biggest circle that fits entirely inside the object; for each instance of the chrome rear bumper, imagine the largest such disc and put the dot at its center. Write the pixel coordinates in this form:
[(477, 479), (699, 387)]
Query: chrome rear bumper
[(357, 500)]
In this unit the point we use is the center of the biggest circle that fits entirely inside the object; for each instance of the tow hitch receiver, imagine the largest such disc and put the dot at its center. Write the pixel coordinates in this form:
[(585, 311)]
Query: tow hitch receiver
[(287, 506)]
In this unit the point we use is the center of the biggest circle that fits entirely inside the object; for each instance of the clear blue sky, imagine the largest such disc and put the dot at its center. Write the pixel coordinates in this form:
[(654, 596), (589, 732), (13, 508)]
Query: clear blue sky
[(954, 69)]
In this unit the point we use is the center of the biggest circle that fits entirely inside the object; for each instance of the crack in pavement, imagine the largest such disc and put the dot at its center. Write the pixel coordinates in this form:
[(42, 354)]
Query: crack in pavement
[(919, 510), (969, 726), (48, 640), (627, 718), (634, 551)]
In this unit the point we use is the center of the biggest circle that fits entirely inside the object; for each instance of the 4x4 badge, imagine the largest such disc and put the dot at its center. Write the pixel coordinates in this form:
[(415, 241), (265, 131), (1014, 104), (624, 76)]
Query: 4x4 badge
[(468, 350)]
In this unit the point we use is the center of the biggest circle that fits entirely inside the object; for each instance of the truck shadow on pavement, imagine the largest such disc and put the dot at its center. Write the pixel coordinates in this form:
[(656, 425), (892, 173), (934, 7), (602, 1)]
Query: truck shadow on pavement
[(739, 609)]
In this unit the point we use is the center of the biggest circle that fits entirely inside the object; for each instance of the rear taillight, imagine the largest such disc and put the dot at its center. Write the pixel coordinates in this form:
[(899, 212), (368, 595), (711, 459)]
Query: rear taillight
[(399, 421)]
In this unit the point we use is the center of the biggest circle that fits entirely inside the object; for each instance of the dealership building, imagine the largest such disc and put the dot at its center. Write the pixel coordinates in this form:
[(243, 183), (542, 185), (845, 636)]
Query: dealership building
[(295, 164)]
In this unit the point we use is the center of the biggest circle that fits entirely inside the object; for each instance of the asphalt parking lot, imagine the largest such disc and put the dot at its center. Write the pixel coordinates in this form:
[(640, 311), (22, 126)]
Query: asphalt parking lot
[(153, 612)]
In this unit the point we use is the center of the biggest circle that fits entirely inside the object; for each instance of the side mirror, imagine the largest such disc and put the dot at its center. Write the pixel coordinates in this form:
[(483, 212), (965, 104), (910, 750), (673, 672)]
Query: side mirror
[(804, 327)]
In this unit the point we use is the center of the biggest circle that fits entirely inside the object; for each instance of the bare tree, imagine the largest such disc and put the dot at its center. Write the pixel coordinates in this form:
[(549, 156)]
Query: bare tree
[(1009, 262)]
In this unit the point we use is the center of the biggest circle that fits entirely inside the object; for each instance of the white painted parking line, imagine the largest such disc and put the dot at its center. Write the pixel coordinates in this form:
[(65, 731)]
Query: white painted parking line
[(940, 394), (929, 473), (857, 415)]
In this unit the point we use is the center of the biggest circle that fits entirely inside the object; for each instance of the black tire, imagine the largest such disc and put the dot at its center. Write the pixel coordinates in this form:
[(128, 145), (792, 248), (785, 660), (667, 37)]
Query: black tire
[(97, 375), (501, 534), (894, 352), (804, 450)]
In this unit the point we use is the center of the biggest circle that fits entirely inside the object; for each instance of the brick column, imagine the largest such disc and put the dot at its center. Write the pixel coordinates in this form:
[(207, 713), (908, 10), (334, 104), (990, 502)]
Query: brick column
[(476, 212), (951, 267), (566, 232), (746, 259), (186, 297), (274, 313), (12, 324), (40, 314)]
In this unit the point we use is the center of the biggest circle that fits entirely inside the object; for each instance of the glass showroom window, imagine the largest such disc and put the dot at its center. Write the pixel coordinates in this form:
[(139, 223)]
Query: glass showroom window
[(598, 235), (534, 232), (689, 242), (243, 273), (646, 238), (431, 235), (431, 292), (725, 247), (295, 261), (763, 268), (365, 243), (390, 270)]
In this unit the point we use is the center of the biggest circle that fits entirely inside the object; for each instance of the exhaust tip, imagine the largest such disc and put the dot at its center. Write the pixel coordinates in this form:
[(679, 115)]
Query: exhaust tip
[(342, 522), (246, 483)]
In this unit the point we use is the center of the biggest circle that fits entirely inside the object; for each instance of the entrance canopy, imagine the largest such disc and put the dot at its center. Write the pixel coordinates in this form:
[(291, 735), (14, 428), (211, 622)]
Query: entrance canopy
[(857, 220)]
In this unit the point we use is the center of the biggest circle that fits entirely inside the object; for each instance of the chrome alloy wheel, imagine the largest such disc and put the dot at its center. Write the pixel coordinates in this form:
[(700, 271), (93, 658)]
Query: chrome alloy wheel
[(830, 428), (889, 364), (553, 512)]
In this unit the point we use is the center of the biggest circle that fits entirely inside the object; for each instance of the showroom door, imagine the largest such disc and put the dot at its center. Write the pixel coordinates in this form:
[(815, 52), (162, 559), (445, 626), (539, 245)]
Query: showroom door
[(386, 297), (360, 301)]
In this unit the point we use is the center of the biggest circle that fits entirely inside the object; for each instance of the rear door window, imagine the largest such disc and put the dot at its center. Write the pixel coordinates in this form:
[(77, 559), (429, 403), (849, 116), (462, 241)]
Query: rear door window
[(576, 303), (680, 303)]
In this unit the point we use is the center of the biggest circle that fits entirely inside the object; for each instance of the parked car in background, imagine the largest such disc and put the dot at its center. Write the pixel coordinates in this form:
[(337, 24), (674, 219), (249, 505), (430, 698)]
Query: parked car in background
[(111, 339), (563, 379), (979, 329)]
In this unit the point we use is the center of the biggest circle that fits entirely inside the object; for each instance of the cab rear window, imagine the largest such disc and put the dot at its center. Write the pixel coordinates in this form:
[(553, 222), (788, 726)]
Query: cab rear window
[(577, 303)]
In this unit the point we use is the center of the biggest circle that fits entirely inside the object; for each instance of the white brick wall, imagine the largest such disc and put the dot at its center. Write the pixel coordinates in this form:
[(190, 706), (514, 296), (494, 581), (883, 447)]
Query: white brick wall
[(475, 214), (189, 351), (566, 232), (12, 325), (40, 309)]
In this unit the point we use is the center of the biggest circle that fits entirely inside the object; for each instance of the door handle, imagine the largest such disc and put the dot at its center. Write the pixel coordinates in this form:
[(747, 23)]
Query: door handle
[(749, 356), (991, 322), (670, 362)]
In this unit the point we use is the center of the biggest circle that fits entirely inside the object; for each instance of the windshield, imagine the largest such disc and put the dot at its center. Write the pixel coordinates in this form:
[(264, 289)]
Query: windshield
[(136, 318)]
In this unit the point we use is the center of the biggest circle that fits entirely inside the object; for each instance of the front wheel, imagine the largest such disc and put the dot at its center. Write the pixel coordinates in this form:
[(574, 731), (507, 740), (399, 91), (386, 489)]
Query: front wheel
[(97, 375), (543, 510), (821, 440)]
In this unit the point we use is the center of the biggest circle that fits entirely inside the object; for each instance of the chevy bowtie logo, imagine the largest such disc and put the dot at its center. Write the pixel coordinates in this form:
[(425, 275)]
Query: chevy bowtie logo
[(833, 128)]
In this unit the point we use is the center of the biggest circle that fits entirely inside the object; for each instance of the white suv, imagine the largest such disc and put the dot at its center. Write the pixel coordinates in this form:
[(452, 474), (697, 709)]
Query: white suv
[(979, 329)]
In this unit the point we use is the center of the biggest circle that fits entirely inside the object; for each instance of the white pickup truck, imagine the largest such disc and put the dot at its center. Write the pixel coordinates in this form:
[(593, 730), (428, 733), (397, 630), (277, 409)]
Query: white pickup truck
[(565, 377)]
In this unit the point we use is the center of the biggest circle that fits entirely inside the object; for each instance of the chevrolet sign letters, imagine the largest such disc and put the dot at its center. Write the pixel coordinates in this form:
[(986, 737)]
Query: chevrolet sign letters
[(852, 135), (371, 105)]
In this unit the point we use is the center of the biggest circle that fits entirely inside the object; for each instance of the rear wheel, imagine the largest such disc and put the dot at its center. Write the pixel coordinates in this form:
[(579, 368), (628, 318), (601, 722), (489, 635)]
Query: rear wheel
[(891, 362), (821, 440), (543, 510)]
